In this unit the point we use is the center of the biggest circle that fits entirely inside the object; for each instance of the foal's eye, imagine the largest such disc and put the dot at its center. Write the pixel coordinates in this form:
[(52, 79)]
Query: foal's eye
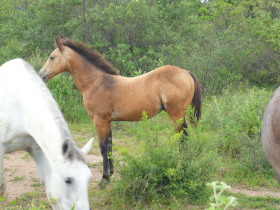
[(68, 180), (52, 57)]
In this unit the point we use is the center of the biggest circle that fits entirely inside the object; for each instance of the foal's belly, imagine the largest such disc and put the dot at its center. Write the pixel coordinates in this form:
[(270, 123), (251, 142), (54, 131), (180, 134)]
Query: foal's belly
[(135, 113)]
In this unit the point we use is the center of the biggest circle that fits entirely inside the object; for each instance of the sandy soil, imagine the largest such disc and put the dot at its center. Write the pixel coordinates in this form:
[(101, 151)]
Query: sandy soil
[(21, 175), (263, 192)]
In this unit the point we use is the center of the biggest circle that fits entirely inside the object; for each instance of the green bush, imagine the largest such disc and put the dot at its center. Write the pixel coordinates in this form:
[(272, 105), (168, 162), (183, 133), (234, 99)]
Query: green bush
[(237, 116), (209, 38), (68, 97), (167, 168), (236, 119)]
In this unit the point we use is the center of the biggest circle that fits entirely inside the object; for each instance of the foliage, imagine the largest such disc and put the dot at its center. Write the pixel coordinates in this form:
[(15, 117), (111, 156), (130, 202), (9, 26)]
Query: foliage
[(221, 202), (222, 42), (68, 97), (166, 168), (236, 117), (35, 207)]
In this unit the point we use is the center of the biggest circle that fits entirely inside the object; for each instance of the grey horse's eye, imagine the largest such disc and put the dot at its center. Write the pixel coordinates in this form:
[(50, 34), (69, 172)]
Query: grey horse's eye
[(68, 180)]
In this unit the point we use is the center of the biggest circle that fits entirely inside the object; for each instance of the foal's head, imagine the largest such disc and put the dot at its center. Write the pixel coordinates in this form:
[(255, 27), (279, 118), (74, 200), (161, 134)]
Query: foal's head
[(69, 181), (56, 63), (66, 50)]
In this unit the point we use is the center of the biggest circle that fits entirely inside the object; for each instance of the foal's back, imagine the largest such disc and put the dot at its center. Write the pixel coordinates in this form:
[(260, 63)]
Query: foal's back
[(271, 131)]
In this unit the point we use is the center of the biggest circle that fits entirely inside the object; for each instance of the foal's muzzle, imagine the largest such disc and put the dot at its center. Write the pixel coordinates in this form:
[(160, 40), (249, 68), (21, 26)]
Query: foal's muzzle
[(45, 79)]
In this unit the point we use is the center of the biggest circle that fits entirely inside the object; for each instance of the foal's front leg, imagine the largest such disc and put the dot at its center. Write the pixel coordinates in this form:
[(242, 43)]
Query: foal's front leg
[(110, 148), (104, 131)]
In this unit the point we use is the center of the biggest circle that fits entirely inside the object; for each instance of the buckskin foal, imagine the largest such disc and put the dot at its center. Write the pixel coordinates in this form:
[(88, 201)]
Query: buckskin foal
[(108, 96)]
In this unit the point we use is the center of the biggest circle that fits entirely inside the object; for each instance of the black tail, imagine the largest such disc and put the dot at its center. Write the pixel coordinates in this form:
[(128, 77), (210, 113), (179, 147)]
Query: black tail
[(196, 101)]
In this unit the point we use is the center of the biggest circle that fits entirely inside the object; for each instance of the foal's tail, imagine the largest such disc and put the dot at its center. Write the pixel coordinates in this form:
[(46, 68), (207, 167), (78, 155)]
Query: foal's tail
[(196, 101)]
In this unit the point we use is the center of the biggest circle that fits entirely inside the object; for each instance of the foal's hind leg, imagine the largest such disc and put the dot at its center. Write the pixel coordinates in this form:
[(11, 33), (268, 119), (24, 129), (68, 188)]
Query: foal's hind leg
[(185, 127), (178, 118), (180, 122)]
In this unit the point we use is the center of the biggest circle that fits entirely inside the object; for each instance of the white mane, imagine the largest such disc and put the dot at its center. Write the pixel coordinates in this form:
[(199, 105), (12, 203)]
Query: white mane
[(45, 94)]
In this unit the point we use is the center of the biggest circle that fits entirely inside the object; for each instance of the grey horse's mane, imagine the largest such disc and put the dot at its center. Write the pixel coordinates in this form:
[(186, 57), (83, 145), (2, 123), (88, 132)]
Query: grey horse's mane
[(57, 114)]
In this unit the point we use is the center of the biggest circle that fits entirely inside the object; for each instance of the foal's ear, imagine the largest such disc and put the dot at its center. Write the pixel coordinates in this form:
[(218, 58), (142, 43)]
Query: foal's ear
[(59, 45), (67, 149)]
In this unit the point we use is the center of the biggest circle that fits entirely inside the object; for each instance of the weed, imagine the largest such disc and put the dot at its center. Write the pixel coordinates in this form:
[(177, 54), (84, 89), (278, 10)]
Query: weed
[(235, 118), (37, 184), (36, 207), (18, 178), (27, 156), (221, 202), (166, 168)]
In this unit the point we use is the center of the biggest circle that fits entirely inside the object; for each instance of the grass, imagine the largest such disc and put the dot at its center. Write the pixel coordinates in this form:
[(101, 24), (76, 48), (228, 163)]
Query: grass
[(18, 178), (266, 203), (229, 128)]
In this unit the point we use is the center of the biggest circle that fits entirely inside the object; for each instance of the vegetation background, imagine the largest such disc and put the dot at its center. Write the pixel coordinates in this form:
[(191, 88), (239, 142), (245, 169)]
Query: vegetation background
[(232, 46)]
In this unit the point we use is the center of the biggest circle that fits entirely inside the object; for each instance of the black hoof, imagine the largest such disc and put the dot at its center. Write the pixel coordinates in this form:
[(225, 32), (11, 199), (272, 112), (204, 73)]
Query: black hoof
[(112, 170), (102, 184)]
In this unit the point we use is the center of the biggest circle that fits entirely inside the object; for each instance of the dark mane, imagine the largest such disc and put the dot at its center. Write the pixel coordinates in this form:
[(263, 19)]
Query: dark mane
[(91, 55)]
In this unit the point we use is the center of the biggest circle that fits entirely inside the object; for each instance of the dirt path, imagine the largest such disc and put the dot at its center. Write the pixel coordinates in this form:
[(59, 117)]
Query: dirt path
[(262, 192), (21, 175)]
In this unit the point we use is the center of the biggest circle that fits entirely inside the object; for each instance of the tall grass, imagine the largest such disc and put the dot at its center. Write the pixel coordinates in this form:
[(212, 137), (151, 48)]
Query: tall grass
[(164, 168), (235, 119), (68, 97)]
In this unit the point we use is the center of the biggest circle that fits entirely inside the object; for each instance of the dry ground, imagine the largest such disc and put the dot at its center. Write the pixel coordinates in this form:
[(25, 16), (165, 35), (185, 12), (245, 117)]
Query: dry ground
[(21, 175)]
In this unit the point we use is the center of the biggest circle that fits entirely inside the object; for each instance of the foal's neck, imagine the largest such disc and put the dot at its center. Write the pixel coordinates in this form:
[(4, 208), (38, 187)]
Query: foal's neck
[(84, 73)]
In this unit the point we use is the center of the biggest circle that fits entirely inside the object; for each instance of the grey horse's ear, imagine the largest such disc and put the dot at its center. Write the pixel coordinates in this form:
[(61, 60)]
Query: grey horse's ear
[(59, 45), (67, 149), (86, 149)]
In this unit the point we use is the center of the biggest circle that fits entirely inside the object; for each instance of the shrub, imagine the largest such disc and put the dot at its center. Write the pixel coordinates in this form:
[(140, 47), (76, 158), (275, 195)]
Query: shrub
[(236, 118), (68, 97), (167, 168)]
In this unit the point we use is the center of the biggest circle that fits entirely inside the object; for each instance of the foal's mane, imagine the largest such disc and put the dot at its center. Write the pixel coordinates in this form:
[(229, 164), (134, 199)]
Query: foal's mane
[(91, 55)]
